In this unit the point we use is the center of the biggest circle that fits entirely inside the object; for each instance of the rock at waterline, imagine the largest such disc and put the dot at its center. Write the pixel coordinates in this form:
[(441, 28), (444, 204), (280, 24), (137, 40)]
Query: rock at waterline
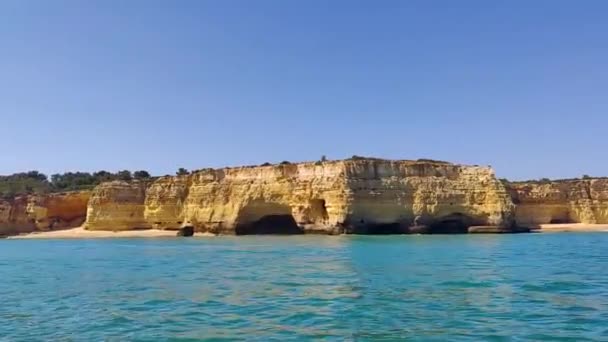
[(186, 231)]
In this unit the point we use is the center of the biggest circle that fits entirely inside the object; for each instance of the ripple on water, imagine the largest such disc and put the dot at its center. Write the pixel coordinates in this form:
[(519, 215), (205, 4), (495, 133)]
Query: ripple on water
[(457, 288)]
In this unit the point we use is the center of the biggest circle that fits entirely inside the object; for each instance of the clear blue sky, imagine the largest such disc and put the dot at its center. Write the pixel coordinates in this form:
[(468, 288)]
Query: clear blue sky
[(157, 85)]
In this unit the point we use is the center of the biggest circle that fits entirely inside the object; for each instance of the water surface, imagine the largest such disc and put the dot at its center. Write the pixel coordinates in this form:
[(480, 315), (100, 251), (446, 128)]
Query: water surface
[(529, 287)]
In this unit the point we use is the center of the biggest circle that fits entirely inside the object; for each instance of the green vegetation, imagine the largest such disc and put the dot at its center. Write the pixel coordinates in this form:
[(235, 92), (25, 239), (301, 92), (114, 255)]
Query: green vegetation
[(181, 172), (423, 160), (142, 174), (34, 182)]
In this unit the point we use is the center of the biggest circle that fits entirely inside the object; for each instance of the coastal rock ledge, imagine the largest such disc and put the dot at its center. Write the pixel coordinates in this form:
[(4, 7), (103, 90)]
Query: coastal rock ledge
[(355, 196)]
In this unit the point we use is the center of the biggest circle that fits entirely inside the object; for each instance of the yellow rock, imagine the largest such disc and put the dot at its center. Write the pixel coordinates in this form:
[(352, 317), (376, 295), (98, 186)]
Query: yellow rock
[(566, 201), (28, 213), (325, 197)]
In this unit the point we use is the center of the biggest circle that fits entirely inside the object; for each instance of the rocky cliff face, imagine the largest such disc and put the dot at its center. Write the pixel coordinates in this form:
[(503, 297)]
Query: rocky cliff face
[(352, 196), (567, 201), (368, 196), (117, 205), (28, 213)]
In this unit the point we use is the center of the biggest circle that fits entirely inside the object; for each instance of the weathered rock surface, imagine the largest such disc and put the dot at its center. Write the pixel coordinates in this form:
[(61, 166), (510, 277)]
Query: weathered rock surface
[(565, 201), (117, 205), (349, 196), (28, 213), (363, 196)]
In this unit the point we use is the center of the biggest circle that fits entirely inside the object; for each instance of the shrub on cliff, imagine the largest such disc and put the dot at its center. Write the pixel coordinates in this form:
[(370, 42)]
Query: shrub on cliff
[(124, 175), (424, 160), (36, 182), (181, 172), (23, 183), (141, 174)]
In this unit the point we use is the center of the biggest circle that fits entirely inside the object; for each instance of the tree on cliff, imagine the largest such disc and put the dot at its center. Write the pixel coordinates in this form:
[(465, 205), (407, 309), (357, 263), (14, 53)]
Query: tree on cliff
[(181, 172), (141, 174), (23, 183), (36, 182), (124, 175), (103, 176)]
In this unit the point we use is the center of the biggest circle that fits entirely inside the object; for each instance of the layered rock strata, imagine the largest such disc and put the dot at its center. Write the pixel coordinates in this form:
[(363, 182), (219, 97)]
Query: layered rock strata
[(364, 196), (565, 201), (349, 196), (29, 213)]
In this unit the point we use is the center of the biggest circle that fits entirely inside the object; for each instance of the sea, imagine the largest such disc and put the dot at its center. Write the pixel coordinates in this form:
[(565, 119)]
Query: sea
[(524, 287)]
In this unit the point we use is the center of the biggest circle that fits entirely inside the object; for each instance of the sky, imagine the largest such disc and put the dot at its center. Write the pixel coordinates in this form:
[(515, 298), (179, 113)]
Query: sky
[(157, 85)]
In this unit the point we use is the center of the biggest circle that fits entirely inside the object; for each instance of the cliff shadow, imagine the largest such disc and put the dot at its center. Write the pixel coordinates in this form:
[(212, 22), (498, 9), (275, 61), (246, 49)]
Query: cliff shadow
[(373, 228), (261, 217), (318, 211)]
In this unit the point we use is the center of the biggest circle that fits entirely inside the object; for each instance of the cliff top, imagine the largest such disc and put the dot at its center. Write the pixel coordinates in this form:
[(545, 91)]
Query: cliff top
[(554, 181), (336, 161)]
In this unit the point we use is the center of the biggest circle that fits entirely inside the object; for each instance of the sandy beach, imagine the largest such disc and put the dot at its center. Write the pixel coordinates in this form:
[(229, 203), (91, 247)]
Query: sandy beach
[(570, 227), (81, 233)]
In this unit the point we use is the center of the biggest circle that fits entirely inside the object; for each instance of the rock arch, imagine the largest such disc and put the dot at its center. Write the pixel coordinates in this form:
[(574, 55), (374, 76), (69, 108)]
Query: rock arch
[(262, 217)]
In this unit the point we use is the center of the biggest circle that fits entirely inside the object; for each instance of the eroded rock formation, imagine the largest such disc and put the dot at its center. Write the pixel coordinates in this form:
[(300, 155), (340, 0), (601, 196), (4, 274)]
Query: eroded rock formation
[(351, 196), (28, 213), (565, 201), (362, 196)]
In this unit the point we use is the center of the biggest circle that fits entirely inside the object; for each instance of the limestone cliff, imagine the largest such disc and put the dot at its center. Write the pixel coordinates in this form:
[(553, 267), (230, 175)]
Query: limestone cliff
[(352, 196), (117, 205), (28, 213), (565, 201)]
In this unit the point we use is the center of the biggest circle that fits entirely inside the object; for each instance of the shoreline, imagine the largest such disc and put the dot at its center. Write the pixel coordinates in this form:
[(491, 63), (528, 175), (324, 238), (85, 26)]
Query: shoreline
[(570, 227), (81, 233)]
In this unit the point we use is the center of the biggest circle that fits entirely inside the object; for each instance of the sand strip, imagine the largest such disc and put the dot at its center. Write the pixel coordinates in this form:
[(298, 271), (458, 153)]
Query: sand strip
[(81, 233), (571, 227)]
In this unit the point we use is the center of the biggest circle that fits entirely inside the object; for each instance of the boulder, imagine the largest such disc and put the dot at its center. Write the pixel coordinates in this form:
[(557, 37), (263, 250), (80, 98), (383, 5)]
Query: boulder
[(186, 231)]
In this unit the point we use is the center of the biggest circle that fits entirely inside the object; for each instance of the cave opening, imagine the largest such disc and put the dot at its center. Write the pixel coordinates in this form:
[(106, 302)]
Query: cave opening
[(270, 224), (383, 229), (260, 217), (451, 224), (560, 221)]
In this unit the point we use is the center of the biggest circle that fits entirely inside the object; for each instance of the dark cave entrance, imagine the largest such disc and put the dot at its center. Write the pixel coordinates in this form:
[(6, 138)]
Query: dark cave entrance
[(393, 228), (560, 221), (267, 218), (270, 224), (451, 224), (384, 229)]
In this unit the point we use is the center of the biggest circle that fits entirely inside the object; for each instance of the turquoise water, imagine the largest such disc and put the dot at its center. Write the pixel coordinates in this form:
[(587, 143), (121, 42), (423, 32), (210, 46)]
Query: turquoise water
[(529, 287)]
